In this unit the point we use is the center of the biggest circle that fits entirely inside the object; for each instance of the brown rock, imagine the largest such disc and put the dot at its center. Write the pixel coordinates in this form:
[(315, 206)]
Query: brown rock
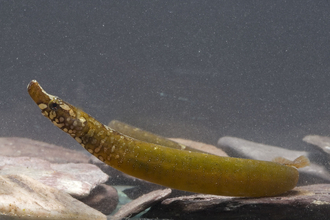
[(306, 202), (142, 203), (103, 198), (24, 147)]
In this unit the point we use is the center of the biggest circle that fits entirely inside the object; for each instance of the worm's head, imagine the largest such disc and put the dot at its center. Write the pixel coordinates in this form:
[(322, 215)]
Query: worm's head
[(62, 114)]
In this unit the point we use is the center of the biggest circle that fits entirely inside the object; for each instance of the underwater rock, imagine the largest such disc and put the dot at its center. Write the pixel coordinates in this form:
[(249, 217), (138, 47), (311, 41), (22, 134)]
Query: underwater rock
[(103, 198), (248, 149), (143, 188), (237, 147), (25, 198), (320, 141), (306, 202), (142, 203), (76, 179), (201, 146), (24, 147), (137, 191)]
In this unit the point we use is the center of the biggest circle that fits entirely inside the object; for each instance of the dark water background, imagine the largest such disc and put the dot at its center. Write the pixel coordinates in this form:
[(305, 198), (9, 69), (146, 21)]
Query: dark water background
[(201, 70)]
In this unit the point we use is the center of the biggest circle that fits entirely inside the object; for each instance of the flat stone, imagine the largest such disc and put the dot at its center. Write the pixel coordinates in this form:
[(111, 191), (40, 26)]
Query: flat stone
[(306, 202), (24, 198), (24, 147), (142, 189), (103, 198), (322, 142), (76, 179), (201, 146), (248, 149), (237, 147), (142, 203)]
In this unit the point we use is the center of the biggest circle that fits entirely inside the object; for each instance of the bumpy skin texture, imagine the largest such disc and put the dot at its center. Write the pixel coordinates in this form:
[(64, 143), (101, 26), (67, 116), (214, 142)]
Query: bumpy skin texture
[(179, 169)]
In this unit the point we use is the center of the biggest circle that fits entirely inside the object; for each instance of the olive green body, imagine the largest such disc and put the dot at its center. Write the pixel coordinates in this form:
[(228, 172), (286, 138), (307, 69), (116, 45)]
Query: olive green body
[(179, 169), (197, 172)]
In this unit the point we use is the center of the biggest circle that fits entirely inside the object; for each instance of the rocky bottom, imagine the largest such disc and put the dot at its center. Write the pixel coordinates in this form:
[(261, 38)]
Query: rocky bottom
[(44, 181)]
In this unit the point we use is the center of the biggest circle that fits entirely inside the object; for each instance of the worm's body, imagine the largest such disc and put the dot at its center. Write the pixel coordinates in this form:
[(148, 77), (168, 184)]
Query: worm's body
[(175, 168)]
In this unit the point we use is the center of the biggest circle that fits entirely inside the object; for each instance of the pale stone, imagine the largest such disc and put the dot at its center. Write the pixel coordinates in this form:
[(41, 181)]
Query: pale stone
[(24, 198), (322, 142), (142, 203), (76, 179), (24, 147), (243, 148)]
